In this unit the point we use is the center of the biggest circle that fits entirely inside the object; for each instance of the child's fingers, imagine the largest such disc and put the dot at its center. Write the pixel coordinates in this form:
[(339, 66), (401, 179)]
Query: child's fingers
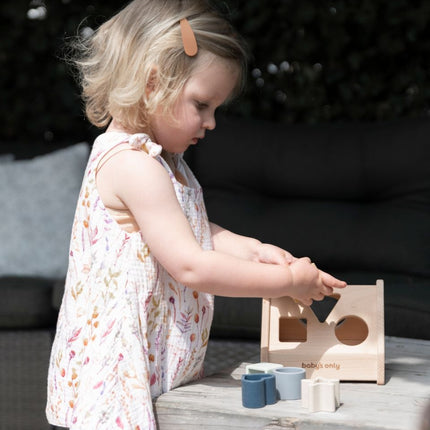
[(272, 254), (328, 291), (318, 297), (331, 281), (289, 258), (304, 302)]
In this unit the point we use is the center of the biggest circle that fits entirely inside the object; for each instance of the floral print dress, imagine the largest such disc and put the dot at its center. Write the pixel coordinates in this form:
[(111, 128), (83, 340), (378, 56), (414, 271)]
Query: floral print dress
[(127, 331)]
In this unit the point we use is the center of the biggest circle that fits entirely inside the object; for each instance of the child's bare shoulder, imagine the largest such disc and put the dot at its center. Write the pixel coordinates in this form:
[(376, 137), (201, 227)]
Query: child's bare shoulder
[(129, 161), (132, 175)]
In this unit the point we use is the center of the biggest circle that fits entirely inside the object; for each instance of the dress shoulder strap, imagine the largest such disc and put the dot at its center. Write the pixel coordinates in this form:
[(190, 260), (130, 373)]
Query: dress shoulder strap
[(107, 146)]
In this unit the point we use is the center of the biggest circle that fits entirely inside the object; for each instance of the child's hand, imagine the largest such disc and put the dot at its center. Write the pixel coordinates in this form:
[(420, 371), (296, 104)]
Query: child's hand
[(271, 254), (330, 281), (310, 283)]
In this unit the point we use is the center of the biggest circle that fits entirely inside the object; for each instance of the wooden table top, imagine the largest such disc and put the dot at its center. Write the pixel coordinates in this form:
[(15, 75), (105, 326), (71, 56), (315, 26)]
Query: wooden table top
[(215, 402)]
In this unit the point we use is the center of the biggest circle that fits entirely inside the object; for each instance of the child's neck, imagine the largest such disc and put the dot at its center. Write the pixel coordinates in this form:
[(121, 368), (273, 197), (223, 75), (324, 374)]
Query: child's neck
[(168, 158), (116, 127)]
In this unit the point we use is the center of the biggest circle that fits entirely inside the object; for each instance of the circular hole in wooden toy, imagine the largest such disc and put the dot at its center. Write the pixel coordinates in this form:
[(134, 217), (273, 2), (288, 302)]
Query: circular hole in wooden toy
[(351, 330)]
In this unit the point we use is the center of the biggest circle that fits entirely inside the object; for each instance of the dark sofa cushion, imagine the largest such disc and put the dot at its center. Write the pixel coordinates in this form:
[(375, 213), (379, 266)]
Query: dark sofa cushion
[(355, 198), (350, 196), (338, 235), (26, 303)]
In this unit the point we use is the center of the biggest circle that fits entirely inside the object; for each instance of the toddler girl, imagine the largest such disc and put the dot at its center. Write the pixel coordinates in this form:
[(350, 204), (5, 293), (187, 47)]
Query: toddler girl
[(144, 260)]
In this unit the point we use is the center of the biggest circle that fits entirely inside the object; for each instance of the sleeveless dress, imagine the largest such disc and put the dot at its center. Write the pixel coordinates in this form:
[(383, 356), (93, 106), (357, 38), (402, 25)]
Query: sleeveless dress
[(127, 331)]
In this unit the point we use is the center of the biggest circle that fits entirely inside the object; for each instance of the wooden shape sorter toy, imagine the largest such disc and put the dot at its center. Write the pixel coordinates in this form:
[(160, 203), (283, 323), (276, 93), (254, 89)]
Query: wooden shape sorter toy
[(346, 343)]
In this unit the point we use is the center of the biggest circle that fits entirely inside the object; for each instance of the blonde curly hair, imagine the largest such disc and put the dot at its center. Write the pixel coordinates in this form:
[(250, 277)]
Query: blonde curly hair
[(141, 46)]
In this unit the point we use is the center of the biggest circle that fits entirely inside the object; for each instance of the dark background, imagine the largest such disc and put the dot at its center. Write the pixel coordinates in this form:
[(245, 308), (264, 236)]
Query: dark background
[(313, 61)]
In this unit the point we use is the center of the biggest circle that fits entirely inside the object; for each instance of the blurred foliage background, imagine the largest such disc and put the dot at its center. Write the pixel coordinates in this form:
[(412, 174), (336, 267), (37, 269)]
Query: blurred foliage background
[(313, 61)]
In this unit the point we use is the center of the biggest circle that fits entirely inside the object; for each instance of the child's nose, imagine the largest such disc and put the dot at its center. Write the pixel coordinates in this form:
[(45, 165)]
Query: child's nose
[(209, 123)]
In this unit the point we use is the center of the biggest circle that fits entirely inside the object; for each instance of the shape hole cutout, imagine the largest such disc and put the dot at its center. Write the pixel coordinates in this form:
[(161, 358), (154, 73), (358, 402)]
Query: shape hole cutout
[(292, 330), (323, 308), (351, 330)]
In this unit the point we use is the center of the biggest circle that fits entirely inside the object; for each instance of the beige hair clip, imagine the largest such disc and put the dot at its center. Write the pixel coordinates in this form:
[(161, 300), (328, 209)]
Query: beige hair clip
[(188, 38)]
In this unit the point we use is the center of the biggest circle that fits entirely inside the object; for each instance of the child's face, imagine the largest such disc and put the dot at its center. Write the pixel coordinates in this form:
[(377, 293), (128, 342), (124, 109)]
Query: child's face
[(194, 112)]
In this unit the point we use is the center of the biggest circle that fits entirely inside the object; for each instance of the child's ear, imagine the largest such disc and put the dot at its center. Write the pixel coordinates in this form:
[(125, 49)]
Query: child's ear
[(151, 85)]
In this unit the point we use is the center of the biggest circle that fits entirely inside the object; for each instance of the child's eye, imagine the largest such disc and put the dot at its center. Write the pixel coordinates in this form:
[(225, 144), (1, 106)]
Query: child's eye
[(201, 105)]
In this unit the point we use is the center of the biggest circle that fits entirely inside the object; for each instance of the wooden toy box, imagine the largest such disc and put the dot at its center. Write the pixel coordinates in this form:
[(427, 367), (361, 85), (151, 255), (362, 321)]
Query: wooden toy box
[(349, 344)]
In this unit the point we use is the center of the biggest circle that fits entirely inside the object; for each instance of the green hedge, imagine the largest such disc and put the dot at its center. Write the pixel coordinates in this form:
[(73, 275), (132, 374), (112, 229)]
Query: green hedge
[(313, 61), (337, 60)]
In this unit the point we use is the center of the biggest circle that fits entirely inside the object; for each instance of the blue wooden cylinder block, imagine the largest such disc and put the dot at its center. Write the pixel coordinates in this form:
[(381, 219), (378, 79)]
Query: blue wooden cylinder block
[(258, 390)]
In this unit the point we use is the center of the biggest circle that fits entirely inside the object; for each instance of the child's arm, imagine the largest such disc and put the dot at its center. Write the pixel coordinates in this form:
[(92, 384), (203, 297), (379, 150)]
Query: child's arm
[(134, 180), (253, 250), (248, 248)]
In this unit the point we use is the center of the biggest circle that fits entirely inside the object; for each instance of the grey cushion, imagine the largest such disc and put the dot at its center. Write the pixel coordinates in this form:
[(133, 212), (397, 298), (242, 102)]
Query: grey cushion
[(38, 202)]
